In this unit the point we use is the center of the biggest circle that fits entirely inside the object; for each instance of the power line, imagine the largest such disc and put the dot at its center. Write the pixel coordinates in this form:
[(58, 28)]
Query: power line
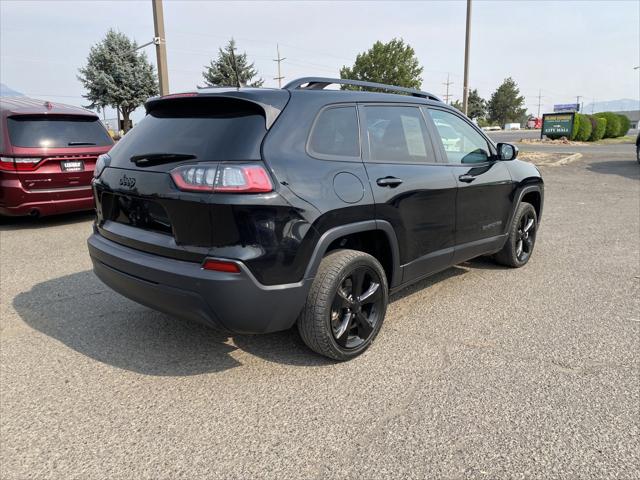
[(280, 77), (262, 42)]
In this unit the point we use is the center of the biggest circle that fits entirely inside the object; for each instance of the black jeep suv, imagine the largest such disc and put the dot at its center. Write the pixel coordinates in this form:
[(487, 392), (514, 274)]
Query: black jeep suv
[(251, 210)]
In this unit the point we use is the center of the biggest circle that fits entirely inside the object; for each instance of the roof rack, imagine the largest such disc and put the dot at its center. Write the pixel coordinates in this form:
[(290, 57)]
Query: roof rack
[(319, 83)]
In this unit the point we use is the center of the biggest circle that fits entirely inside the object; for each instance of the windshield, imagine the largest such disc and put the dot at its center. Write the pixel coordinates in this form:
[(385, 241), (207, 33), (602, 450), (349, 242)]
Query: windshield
[(56, 131), (206, 129)]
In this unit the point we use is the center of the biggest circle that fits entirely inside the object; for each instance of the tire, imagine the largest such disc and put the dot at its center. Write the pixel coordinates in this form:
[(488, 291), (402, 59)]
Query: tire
[(522, 237), (638, 154), (345, 309)]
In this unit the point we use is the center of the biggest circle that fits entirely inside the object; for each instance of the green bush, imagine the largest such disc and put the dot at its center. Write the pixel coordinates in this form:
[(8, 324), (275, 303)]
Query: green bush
[(576, 126), (581, 128), (613, 124), (585, 128), (598, 126), (625, 125)]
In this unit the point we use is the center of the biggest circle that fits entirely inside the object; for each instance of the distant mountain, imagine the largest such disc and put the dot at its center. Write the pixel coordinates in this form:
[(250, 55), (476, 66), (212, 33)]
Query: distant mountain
[(622, 105), (9, 92)]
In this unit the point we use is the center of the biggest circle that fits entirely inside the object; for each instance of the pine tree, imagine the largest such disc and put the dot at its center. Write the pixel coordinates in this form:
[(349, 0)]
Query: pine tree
[(221, 72), (506, 104), (118, 76), (476, 106)]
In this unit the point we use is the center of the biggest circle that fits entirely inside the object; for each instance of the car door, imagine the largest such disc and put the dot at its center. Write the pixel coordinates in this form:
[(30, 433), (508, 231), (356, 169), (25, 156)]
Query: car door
[(485, 187), (413, 189)]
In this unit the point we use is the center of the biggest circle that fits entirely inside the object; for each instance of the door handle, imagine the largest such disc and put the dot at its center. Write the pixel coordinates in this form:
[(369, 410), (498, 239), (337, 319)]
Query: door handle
[(466, 178), (389, 182)]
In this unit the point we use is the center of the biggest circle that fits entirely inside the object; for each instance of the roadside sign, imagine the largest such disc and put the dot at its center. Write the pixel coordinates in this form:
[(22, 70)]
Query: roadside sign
[(566, 107), (557, 124)]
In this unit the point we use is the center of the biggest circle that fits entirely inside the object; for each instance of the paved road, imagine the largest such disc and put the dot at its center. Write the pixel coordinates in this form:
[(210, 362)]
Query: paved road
[(479, 372), (515, 136)]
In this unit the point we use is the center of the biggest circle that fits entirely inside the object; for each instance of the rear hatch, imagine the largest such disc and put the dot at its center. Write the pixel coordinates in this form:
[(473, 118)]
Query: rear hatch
[(56, 151), (139, 202)]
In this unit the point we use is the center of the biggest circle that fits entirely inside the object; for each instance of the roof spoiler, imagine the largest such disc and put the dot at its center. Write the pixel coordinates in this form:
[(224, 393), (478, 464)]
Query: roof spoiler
[(272, 105)]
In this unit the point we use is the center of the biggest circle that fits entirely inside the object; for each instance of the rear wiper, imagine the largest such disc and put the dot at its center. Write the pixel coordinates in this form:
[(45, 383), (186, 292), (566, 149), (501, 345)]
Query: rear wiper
[(148, 159), (80, 143)]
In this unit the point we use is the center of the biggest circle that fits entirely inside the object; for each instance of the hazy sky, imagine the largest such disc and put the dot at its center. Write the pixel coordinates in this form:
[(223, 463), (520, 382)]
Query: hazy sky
[(563, 48)]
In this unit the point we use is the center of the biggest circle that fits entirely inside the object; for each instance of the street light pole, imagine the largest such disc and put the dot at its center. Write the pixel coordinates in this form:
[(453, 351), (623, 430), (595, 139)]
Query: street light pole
[(465, 88), (161, 48)]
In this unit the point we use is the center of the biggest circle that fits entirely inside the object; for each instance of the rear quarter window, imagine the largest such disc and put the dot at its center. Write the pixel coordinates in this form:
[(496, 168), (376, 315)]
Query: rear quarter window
[(334, 134), (56, 131)]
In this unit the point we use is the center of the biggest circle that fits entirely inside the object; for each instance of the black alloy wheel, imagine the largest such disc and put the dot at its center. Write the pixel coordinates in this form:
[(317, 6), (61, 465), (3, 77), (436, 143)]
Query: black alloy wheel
[(518, 248), (526, 236), (346, 305), (356, 307)]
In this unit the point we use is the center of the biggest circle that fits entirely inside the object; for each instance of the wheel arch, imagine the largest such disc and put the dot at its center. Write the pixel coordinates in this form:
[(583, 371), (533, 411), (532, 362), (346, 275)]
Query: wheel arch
[(533, 192), (330, 239), (534, 198)]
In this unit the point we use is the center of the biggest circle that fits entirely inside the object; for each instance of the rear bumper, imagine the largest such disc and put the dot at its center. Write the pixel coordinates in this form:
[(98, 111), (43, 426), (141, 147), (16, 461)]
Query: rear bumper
[(17, 201), (234, 302)]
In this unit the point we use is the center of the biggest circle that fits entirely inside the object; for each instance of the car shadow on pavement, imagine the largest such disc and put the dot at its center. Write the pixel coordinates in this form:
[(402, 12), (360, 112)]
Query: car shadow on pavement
[(24, 223), (86, 316), (624, 168)]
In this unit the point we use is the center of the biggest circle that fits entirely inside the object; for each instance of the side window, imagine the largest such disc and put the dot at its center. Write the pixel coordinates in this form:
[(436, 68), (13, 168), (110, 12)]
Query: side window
[(335, 133), (396, 134), (462, 143)]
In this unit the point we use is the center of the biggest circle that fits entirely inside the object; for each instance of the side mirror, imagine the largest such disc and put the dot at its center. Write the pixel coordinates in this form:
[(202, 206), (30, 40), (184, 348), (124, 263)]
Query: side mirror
[(507, 151)]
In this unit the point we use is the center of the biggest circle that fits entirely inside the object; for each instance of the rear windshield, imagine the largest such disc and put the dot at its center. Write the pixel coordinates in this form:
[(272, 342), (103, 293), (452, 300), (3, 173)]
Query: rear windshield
[(208, 129), (56, 131)]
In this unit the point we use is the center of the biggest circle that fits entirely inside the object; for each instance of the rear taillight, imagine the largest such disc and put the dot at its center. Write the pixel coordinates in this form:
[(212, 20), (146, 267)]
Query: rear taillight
[(222, 178), (19, 163), (6, 163)]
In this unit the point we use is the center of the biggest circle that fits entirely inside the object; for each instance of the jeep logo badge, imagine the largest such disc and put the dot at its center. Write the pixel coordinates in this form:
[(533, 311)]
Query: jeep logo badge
[(128, 182)]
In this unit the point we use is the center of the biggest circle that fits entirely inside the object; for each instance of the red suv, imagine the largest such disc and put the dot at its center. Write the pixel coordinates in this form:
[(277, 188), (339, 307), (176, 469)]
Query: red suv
[(47, 155)]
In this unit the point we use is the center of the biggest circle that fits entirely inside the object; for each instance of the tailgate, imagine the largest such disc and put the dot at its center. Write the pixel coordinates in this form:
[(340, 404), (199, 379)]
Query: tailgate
[(63, 171)]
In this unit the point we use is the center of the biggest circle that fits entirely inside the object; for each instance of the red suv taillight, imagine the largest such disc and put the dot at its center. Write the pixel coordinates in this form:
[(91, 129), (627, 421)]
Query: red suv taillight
[(222, 178), (19, 163)]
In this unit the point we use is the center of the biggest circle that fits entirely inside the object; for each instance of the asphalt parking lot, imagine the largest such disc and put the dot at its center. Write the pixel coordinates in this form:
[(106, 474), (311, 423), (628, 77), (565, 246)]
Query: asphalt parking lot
[(479, 371)]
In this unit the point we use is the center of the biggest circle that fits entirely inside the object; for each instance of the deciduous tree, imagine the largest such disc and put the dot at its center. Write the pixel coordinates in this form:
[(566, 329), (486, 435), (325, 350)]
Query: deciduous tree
[(393, 63)]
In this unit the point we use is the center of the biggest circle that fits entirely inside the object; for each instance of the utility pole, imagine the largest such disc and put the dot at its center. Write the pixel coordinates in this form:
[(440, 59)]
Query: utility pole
[(446, 95), (465, 88), (539, 101), (279, 60), (161, 47)]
